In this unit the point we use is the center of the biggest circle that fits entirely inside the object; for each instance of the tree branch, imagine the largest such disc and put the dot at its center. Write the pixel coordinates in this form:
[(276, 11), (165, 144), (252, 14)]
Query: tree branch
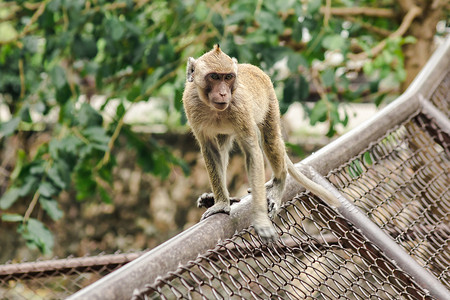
[(412, 13), (357, 11), (22, 78), (369, 27), (327, 13)]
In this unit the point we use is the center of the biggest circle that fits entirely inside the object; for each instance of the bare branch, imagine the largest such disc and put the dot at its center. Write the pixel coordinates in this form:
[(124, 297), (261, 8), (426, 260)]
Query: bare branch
[(358, 11), (405, 5), (370, 27), (22, 78), (327, 13), (413, 12)]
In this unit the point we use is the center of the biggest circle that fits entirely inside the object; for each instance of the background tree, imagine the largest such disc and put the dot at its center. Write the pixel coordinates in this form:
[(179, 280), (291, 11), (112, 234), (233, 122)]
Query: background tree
[(56, 55)]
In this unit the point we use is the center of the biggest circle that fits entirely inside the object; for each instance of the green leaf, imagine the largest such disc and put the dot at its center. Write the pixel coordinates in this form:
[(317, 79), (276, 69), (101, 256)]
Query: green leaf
[(28, 186), (116, 28), (9, 127), (296, 149), (409, 40), (25, 114), (368, 67), (297, 32), (8, 198), (295, 60), (319, 112), (51, 208), (355, 169), (96, 133), (295, 89), (152, 56), (334, 42), (59, 174), (37, 234), (84, 47), (120, 111), (88, 116), (63, 94), (47, 190), (134, 92), (314, 6), (12, 218), (328, 78), (30, 44), (84, 184), (201, 11), (367, 158), (20, 162), (270, 22), (104, 195), (58, 76)]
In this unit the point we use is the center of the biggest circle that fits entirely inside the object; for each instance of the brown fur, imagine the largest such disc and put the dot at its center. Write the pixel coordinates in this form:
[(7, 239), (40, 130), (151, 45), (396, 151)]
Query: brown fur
[(250, 115)]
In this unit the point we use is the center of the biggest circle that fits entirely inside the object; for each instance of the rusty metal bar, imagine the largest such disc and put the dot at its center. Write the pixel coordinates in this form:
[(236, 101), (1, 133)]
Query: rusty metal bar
[(205, 235), (30, 270)]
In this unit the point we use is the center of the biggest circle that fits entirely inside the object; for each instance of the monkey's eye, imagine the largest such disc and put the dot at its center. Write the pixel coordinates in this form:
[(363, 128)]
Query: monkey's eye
[(214, 76), (229, 76)]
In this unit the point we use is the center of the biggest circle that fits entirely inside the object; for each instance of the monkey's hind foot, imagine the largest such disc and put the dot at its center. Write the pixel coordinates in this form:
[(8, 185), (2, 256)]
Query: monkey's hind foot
[(215, 209), (267, 233), (207, 200)]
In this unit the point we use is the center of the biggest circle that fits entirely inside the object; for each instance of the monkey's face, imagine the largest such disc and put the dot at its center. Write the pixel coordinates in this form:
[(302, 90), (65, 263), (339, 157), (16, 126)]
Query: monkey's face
[(214, 74), (219, 88)]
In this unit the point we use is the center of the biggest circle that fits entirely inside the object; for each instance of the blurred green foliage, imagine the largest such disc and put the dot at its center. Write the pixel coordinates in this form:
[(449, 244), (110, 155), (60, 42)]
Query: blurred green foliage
[(52, 52)]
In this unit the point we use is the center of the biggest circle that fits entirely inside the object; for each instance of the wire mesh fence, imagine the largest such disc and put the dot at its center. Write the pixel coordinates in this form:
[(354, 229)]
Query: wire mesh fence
[(402, 183), (320, 256)]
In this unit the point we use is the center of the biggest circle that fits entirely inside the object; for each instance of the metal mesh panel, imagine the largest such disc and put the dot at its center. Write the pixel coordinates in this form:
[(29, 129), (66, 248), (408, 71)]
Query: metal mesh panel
[(402, 184), (320, 256), (56, 279)]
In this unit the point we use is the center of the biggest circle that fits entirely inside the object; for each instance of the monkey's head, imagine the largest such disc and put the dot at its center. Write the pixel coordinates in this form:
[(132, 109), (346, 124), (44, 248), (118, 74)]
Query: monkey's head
[(214, 73)]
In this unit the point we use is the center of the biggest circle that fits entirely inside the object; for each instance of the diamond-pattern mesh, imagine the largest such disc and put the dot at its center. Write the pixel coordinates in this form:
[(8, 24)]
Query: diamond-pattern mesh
[(319, 256)]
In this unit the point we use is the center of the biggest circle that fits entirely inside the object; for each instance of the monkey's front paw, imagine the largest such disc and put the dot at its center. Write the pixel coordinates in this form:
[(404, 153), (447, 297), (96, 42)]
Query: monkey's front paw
[(215, 209), (267, 233), (207, 200)]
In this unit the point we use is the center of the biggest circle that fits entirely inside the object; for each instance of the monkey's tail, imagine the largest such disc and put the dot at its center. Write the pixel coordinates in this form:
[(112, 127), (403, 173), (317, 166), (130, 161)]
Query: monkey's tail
[(307, 183)]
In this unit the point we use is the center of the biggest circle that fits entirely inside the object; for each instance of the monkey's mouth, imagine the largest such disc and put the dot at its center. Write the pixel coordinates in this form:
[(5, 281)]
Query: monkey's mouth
[(220, 105)]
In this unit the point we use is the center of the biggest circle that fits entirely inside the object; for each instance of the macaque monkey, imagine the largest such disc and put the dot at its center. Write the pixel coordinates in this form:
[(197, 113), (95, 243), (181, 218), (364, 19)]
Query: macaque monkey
[(226, 101)]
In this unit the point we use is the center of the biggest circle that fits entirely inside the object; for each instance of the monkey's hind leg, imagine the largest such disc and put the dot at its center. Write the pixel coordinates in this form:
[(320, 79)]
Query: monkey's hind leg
[(207, 200), (276, 154)]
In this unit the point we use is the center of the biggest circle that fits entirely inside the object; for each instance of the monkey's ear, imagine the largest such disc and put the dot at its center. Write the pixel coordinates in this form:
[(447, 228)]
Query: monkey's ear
[(190, 69), (235, 62)]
